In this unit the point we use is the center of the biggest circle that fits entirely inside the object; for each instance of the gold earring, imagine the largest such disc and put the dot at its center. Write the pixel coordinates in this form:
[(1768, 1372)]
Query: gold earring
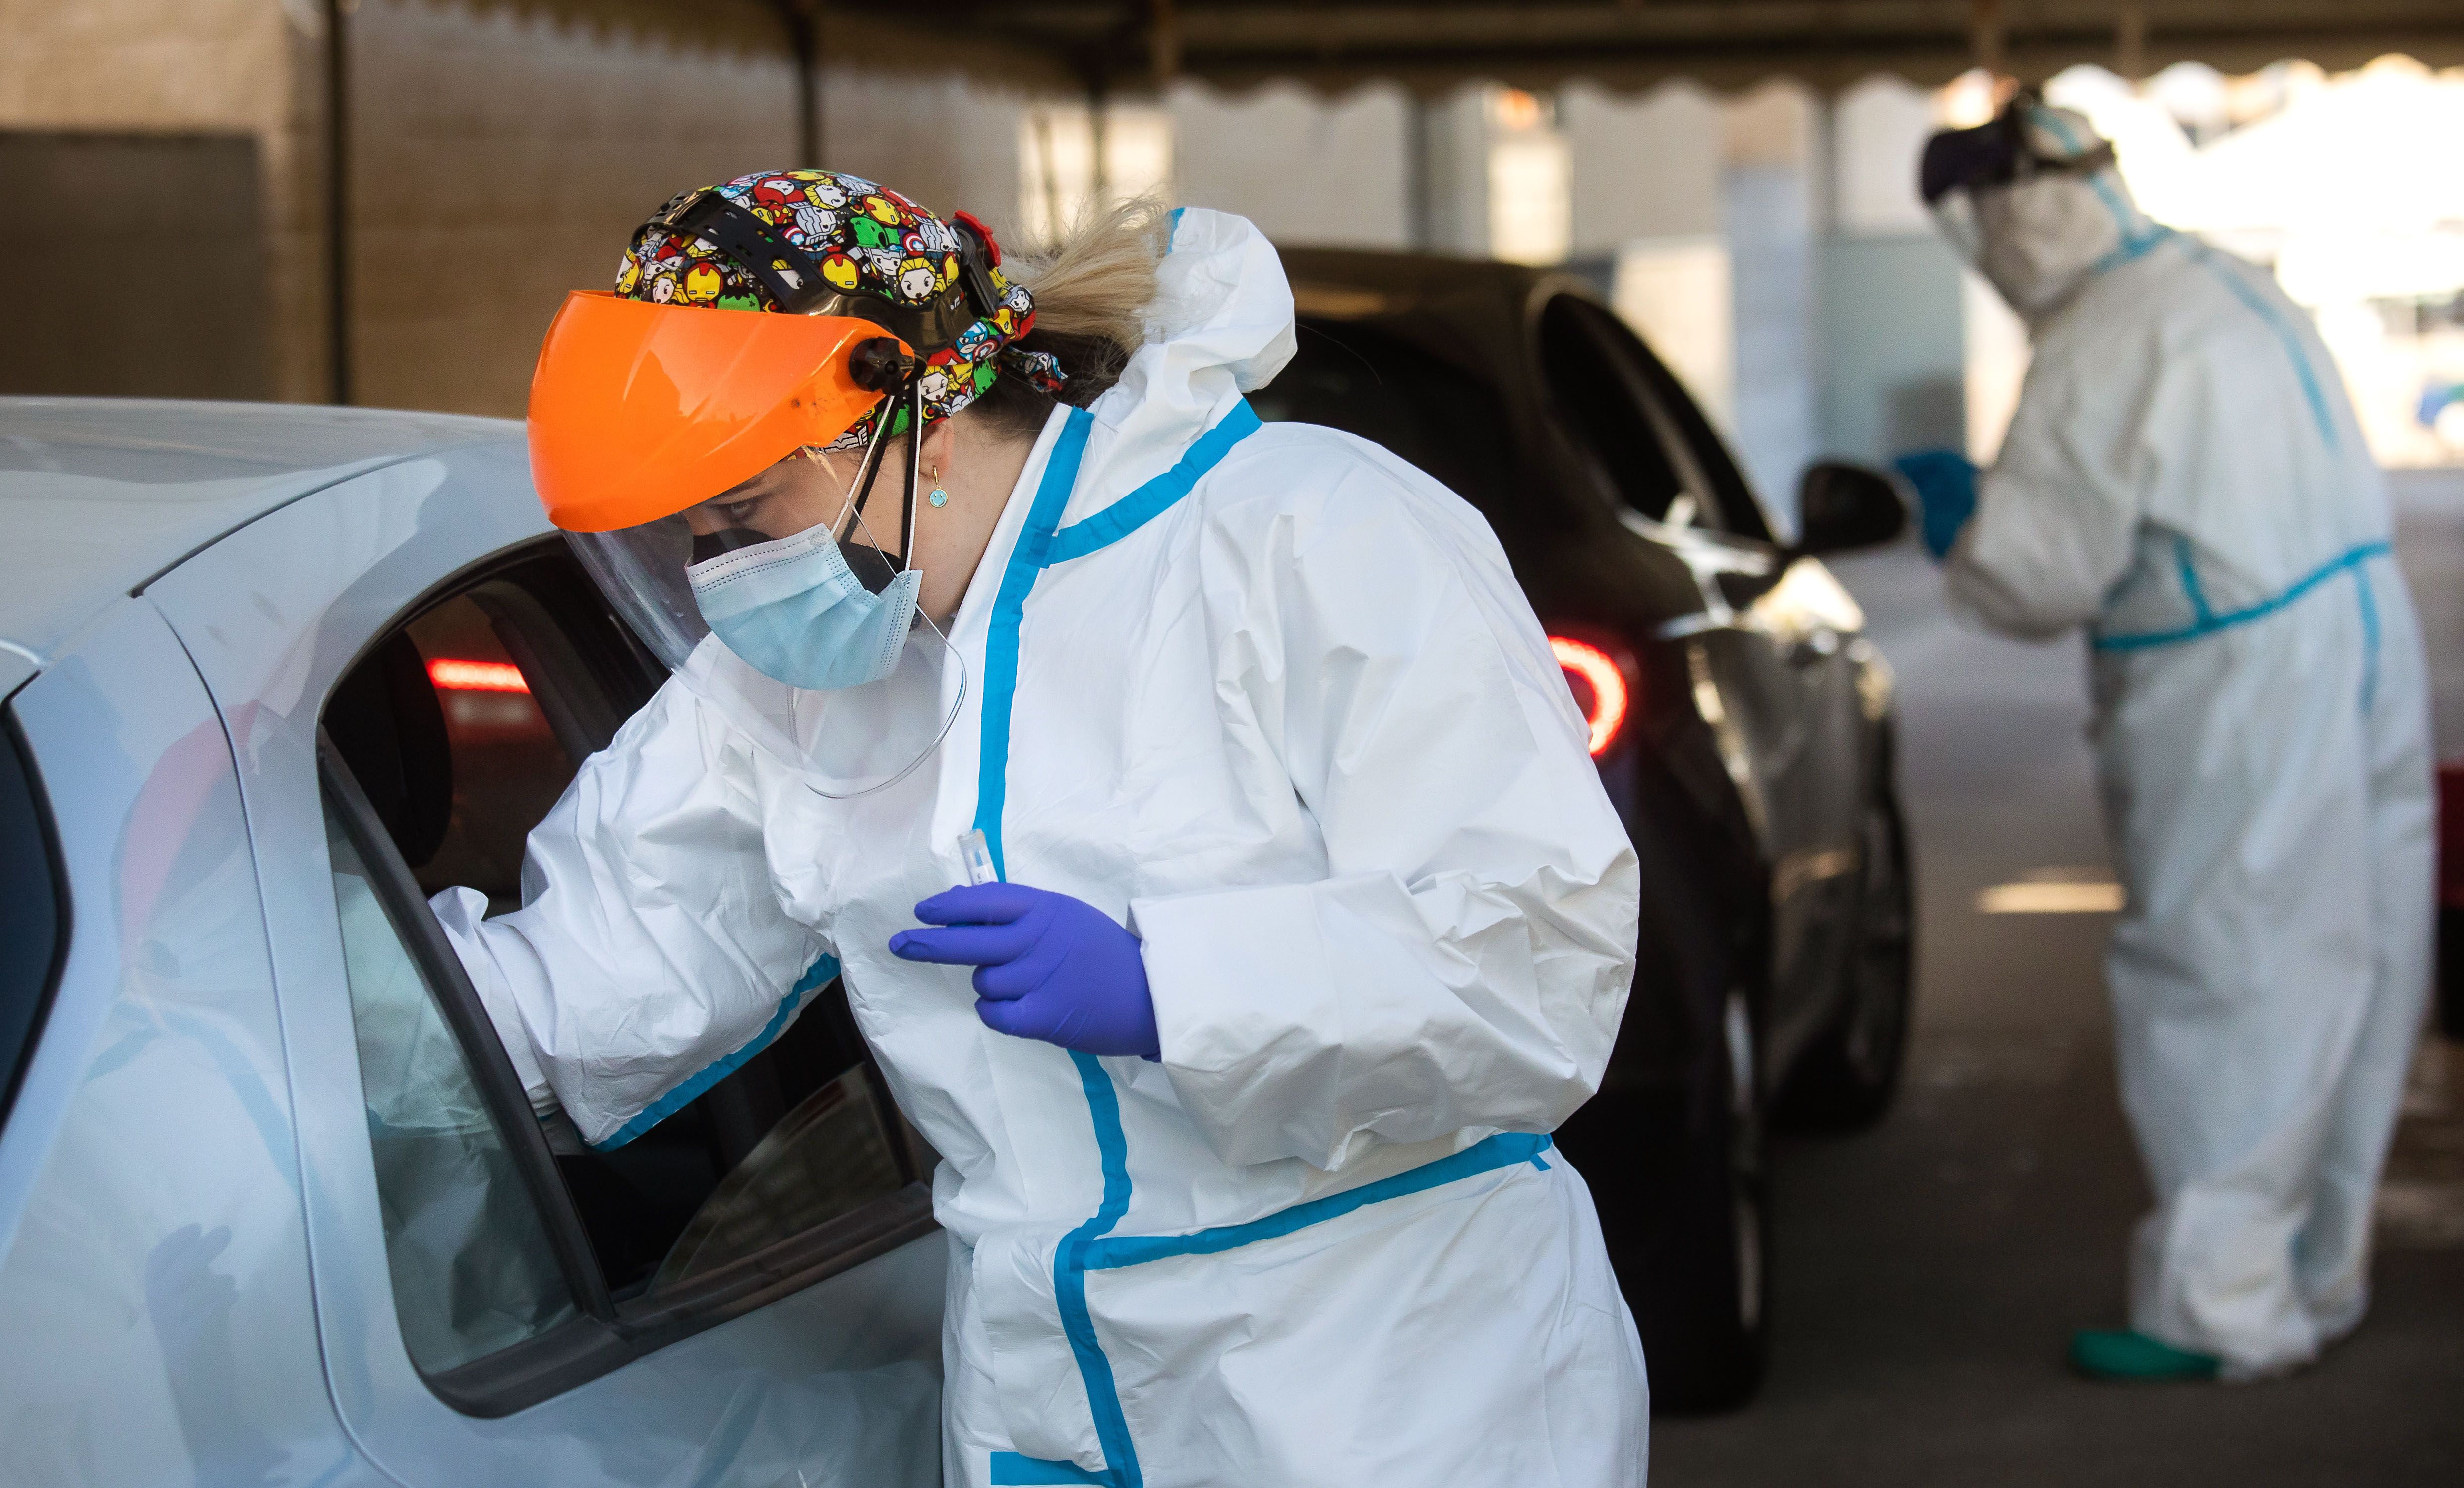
[(940, 497)]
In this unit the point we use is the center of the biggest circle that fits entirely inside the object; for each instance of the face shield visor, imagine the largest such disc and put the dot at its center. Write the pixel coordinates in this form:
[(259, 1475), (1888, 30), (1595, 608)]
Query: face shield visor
[(673, 445), (2022, 143)]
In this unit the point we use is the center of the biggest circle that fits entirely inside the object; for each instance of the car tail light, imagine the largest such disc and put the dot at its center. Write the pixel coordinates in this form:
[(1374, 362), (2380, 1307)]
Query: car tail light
[(476, 677), (1599, 686)]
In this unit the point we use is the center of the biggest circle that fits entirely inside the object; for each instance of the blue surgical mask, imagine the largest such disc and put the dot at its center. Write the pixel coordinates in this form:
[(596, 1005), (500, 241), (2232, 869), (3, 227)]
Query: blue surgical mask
[(793, 611)]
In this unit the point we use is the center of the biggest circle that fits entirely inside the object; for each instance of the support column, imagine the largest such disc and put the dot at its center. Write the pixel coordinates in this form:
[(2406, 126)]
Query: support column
[(2130, 42), (1988, 36), (338, 201)]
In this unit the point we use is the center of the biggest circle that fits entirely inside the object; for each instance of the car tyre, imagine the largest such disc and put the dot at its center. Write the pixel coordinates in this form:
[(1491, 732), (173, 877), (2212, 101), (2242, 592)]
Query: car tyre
[(1846, 1078)]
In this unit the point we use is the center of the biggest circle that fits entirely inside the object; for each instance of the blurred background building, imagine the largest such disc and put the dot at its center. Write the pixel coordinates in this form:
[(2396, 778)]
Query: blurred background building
[(382, 201)]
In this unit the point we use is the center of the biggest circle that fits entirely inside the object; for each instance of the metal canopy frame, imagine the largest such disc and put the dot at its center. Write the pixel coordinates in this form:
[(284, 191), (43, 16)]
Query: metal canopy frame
[(1117, 48), (1121, 46)]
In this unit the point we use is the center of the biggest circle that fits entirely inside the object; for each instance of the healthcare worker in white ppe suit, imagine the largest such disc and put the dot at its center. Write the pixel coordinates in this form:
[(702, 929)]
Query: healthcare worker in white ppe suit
[(2185, 480), (1308, 918)]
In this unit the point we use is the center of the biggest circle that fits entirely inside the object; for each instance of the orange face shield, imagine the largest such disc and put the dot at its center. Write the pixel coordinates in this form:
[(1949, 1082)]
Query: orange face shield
[(638, 410)]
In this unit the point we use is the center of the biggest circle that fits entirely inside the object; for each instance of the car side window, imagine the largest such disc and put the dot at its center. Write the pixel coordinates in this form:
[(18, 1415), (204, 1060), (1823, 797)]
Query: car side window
[(473, 1270), (460, 728), (1596, 394), (34, 912), (1634, 421)]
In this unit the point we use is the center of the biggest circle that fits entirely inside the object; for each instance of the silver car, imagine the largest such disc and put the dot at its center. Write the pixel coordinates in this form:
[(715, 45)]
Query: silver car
[(273, 1209)]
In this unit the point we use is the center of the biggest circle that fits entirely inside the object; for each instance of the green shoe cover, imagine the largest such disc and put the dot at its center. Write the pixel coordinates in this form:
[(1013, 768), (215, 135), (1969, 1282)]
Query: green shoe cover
[(2121, 1354)]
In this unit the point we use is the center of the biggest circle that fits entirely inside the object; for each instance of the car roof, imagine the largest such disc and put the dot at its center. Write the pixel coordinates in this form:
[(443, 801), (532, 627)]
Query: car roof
[(101, 496)]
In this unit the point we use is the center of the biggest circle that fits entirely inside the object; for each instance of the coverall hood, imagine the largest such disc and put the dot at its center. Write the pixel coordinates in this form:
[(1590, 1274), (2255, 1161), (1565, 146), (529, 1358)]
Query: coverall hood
[(1221, 325), (2033, 203), (2038, 241)]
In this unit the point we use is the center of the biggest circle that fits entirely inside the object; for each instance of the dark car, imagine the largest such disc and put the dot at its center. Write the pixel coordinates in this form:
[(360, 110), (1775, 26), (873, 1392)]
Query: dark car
[(1741, 724)]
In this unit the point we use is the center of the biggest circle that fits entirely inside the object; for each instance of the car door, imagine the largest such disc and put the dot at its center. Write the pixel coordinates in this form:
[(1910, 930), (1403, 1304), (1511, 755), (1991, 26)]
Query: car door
[(409, 668), (156, 1323), (1772, 640)]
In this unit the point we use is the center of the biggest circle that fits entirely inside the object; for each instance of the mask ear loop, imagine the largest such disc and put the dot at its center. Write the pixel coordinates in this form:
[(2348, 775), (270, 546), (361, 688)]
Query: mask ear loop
[(957, 703), (915, 465), (859, 490)]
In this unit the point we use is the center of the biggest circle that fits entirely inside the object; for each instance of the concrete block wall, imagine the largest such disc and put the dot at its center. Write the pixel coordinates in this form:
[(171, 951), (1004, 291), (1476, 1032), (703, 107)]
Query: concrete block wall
[(500, 155), (502, 159), (239, 67), (950, 144), (1320, 173), (503, 153)]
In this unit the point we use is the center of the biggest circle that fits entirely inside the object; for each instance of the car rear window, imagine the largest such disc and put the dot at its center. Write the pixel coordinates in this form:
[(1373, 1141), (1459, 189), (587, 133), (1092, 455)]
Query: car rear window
[(32, 912), (1364, 382)]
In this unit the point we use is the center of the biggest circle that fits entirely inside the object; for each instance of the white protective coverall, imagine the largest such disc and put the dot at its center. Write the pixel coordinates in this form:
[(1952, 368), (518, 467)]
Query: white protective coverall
[(2184, 477), (1293, 722)]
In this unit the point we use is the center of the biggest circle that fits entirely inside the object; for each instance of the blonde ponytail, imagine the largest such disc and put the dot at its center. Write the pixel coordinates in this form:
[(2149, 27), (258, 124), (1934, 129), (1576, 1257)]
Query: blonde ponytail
[(1093, 290)]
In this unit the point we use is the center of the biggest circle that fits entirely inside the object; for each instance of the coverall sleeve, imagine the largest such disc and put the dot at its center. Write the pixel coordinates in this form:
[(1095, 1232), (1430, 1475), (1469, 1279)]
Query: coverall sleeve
[(1465, 961), (652, 944), (2057, 515)]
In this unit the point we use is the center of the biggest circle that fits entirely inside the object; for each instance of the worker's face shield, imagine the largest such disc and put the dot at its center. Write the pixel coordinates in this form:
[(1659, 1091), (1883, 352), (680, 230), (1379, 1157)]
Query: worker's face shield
[(702, 427), (1963, 172)]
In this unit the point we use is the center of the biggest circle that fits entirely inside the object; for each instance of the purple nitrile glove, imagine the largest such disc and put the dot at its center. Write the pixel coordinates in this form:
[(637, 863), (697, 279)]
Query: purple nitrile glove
[(1047, 965)]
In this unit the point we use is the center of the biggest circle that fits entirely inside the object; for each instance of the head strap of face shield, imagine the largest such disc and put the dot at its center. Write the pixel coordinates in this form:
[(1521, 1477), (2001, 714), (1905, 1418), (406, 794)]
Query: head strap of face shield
[(795, 283), (1998, 154), (874, 568)]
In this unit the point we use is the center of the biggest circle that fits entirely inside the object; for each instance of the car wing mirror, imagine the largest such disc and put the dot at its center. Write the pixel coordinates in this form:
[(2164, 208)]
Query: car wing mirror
[(1842, 506)]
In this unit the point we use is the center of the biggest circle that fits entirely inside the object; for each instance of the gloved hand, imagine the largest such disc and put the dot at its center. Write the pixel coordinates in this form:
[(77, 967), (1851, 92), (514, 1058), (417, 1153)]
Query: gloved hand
[(1946, 486), (1047, 965)]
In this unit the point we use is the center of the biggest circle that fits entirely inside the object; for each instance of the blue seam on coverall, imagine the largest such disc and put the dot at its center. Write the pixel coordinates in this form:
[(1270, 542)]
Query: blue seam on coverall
[(815, 975), (2200, 609), (2291, 338), (2370, 638), (1010, 1468), (1156, 497), (1034, 551), (2135, 246), (1040, 545), (2134, 243), (1499, 1149), (2206, 621), (2210, 623)]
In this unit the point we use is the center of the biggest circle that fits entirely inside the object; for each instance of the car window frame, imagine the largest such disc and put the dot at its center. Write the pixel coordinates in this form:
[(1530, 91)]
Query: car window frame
[(53, 872), (606, 1334), (1687, 439)]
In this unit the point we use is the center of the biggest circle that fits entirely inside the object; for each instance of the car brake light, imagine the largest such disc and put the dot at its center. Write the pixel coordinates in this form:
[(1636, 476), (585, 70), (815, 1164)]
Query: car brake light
[(1599, 687), (476, 677)]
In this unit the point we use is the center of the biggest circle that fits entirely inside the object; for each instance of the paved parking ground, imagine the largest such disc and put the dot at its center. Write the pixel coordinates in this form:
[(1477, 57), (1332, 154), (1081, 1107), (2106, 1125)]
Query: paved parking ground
[(1928, 1273)]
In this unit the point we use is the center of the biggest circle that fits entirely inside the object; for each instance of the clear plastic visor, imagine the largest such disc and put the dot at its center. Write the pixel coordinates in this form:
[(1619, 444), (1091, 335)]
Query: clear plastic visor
[(1954, 213), (844, 740)]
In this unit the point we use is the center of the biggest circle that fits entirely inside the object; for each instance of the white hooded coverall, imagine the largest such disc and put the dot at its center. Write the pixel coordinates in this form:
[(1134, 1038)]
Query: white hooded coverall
[(1272, 698), (2184, 477)]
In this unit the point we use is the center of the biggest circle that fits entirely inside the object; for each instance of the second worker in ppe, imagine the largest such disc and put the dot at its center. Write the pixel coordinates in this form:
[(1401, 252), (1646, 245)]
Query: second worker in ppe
[(1314, 919), (2185, 479)]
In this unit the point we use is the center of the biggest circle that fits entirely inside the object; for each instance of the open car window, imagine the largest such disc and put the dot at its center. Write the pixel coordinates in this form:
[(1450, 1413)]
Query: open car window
[(445, 743), (1633, 423), (474, 1269)]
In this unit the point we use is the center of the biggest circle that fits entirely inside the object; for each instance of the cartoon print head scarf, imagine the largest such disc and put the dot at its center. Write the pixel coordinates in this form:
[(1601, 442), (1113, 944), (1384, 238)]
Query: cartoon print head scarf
[(866, 238)]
